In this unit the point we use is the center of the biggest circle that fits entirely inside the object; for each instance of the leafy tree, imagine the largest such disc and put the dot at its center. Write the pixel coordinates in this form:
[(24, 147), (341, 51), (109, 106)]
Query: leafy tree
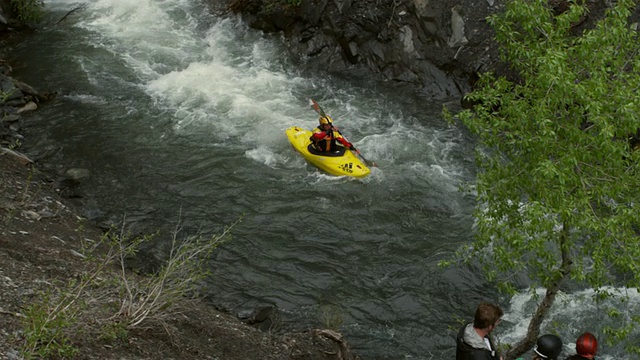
[(558, 183), (28, 10)]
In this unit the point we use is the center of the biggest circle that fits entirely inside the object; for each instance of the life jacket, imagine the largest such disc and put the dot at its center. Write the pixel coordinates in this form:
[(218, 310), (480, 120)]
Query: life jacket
[(326, 144)]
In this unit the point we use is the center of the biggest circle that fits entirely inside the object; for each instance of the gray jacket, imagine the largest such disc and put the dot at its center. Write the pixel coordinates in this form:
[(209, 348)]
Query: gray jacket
[(471, 346)]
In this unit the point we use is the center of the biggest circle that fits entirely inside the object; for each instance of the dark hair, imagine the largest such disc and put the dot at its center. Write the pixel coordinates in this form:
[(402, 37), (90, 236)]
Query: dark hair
[(486, 315)]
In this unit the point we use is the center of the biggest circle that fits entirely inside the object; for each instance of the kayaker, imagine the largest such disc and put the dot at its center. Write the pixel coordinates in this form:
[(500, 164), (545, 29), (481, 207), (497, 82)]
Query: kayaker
[(473, 340), (325, 135)]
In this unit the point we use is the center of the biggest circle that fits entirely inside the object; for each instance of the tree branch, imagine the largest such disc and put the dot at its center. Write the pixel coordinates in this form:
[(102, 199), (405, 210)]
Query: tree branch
[(533, 330)]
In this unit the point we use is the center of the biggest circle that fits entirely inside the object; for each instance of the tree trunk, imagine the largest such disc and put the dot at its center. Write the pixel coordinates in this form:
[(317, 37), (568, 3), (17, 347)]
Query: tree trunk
[(533, 330)]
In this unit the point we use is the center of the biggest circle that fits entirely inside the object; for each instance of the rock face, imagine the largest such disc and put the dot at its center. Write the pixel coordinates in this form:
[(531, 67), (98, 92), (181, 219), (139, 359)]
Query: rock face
[(436, 45), (5, 14), (439, 46), (8, 19)]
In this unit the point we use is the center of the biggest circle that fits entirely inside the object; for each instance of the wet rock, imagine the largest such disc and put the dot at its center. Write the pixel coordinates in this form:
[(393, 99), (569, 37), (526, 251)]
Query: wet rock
[(400, 41), (439, 46), (262, 317), (10, 118), (28, 91), (31, 215), (77, 174), (17, 155), (30, 106), (457, 38), (67, 187)]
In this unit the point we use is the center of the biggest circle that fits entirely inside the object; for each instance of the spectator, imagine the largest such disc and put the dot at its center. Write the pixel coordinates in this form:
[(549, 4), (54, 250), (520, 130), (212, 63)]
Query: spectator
[(586, 347), (473, 341), (548, 347)]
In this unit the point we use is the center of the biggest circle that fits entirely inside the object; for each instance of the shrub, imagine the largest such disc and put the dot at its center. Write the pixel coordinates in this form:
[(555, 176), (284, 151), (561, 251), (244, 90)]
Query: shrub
[(27, 10), (151, 299), (46, 326), (139, 301)]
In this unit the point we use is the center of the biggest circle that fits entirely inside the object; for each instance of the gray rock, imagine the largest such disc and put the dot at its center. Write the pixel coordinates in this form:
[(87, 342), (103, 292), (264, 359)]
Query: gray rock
[(30, 106), (439, 46), (10, 118), (13, 355), (77, 173)]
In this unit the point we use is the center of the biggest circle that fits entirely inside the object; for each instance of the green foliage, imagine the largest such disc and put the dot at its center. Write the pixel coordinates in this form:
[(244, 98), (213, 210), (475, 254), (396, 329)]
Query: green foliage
[(625, 328), (558, 179), (113, 331), (26, 196), (15, 145), (332, 317), (46, 327), (555, 160), (28, 10), (5, 95)]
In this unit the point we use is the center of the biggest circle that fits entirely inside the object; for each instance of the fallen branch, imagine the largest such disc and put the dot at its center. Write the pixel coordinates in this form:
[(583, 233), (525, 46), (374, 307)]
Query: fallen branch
[(16, 314), (344, 353), (71, 12), (19, 156)]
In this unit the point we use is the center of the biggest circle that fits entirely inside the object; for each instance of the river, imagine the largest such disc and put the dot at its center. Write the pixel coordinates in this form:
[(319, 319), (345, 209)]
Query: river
[(180, 118)]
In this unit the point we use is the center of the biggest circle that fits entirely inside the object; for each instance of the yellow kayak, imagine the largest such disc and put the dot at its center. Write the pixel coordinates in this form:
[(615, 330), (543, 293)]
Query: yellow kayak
[(341, 163)]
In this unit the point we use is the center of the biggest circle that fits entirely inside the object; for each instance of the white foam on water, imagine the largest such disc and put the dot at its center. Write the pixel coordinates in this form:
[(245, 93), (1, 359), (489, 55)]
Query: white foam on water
[(571, 315), (89, 99), (265, 156), (233, 86)]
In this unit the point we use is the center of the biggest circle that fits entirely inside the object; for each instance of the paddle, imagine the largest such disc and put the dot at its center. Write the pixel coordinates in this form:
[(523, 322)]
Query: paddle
[(321, 112)]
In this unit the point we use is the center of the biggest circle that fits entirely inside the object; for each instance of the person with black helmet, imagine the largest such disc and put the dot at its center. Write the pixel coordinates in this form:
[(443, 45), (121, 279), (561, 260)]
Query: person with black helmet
[(548, 347), (474, 341), (586, 347), (325, 135)]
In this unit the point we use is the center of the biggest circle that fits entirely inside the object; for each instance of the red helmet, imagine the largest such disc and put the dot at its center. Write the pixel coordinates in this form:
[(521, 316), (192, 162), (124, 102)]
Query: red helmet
[(587, 345)]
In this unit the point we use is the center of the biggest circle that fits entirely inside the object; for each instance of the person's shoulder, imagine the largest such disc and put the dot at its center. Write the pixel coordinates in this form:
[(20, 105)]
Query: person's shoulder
[(462, 328)]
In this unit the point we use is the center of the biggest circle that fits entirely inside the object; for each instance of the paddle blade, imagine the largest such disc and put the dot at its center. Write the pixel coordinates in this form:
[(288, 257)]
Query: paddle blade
[(317, 107)]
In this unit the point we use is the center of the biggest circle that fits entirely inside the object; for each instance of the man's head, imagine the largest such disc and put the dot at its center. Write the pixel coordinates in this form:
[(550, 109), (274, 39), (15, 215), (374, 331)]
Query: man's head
[(487, 316), (548, 347)]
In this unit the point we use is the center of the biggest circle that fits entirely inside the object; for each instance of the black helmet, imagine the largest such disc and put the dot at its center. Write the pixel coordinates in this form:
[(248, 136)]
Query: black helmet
[(549, 346)]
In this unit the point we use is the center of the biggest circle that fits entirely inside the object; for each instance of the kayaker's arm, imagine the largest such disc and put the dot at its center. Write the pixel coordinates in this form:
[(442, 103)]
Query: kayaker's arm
[(317, 136), (344, 142), (341, 138)]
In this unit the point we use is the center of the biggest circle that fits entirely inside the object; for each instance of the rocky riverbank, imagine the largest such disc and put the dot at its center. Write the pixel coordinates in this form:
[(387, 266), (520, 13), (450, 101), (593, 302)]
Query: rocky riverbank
[(41, 254), (41, 240)]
